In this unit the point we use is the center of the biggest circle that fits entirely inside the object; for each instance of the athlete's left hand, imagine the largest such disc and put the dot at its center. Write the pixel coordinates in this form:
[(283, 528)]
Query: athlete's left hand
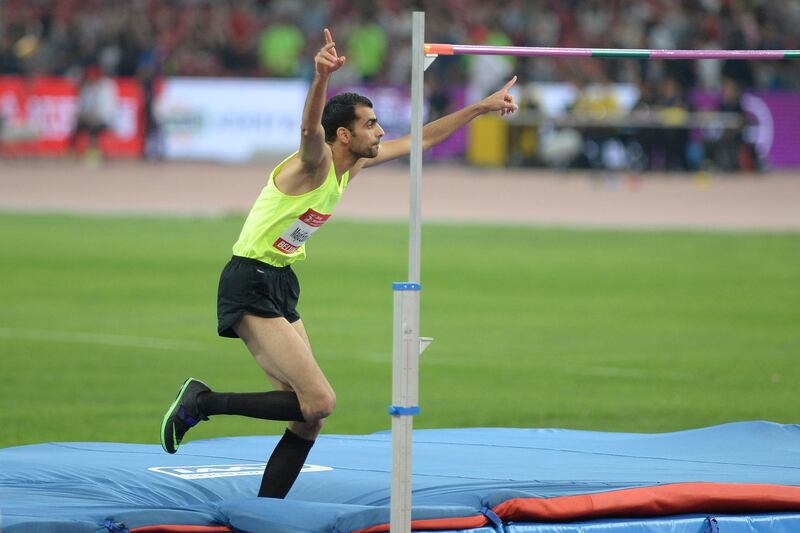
[(501, 101)]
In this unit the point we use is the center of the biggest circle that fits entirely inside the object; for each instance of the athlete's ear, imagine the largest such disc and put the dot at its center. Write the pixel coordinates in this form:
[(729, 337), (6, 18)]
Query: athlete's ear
[(343, 134)]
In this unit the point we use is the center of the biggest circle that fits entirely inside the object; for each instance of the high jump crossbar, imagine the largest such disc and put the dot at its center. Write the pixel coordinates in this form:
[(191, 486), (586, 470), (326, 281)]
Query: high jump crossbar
[(434, 49), (407, 344)]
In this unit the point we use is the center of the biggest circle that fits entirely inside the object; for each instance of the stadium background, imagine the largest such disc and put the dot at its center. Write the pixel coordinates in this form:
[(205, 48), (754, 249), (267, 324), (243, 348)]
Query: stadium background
[(585, 266)]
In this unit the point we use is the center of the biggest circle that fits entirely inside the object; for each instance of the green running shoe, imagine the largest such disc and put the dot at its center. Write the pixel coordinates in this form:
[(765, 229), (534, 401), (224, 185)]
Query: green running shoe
[(182, 415)]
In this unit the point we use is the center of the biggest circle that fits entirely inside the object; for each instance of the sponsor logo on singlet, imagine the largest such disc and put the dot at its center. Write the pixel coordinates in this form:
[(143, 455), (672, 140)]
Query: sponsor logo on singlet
[(299, 232), (215, 471)]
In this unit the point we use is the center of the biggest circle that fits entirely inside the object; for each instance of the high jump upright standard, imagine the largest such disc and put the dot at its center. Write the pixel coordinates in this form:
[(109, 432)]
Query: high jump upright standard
[(407, 344)]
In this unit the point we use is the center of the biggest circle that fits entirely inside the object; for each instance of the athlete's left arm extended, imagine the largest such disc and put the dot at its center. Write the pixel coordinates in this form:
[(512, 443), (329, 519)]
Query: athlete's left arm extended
[(437, 131)]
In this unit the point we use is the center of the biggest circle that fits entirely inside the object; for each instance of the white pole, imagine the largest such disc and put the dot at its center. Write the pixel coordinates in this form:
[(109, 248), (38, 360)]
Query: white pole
[(417, 73), (406, 339)]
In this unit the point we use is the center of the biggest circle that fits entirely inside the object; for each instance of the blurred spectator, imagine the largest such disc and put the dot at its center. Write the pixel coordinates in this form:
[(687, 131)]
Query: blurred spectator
[(153, 136), (97, 101), (366, 48), (731, 151), (280, 47), (673, 108), (598, 101)]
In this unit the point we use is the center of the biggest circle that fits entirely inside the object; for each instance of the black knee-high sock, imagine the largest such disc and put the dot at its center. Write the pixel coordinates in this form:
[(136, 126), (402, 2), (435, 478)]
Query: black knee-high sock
[(272, 405), (284, 465)]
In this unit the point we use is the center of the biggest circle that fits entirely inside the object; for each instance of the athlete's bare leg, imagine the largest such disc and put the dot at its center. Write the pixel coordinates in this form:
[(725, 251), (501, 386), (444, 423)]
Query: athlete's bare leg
[(283, 351), (304, 429)]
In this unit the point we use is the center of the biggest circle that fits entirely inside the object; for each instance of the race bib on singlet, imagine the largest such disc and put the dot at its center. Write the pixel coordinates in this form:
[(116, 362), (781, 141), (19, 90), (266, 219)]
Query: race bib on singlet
[(299, 232)]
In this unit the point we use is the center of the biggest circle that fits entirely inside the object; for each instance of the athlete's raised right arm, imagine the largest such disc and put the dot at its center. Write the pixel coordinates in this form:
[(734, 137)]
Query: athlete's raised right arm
[(312, 137)]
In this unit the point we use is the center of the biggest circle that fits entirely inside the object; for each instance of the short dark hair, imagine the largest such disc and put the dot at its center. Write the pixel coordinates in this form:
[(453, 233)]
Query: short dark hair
[(340, 112)]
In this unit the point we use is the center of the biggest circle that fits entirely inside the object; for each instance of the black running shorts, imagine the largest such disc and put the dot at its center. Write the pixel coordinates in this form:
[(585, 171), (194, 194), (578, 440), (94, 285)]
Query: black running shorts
[(250, 286)]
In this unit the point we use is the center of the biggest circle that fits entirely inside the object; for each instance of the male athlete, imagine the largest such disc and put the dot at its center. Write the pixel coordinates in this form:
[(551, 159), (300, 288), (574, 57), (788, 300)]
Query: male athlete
[(258, 290)]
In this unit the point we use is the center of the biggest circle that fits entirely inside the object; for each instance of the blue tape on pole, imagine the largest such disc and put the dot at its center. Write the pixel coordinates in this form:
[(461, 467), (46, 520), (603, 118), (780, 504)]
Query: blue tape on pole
[(396, 410), (406, 286)]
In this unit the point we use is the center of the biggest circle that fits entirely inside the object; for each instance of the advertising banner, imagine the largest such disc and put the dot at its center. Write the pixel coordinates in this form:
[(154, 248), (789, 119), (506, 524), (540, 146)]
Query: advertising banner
[(234, 120), (773, 119), (229, 120), (777, 119), (38, 115)]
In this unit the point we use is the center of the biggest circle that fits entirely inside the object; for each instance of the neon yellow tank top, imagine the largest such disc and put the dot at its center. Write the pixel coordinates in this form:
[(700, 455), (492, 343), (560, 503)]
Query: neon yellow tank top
[(278, 225)]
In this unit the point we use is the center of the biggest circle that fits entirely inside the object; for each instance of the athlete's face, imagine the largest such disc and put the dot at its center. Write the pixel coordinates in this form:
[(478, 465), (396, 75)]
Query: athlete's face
[(366, 133)]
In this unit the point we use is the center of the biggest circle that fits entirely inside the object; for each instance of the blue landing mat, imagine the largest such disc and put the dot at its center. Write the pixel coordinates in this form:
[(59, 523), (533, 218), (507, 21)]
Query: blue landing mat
[(464, 480)]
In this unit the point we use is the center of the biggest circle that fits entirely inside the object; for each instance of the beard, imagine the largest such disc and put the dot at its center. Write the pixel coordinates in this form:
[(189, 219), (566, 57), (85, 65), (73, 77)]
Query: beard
[(370, 152)]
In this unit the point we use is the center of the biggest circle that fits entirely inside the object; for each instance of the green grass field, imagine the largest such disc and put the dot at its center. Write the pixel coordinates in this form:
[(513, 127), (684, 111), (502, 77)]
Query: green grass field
[(104, 317)]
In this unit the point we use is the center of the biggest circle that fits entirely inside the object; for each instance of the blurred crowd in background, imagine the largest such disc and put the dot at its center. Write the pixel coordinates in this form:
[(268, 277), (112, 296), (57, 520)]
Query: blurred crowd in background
[(278, 38), (152, 39)]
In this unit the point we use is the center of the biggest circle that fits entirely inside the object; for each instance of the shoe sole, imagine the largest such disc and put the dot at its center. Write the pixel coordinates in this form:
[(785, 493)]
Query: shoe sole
[(169, 414)]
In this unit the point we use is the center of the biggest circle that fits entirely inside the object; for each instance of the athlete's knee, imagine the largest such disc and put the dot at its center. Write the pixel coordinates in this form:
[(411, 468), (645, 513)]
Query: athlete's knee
[(320, 406)]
